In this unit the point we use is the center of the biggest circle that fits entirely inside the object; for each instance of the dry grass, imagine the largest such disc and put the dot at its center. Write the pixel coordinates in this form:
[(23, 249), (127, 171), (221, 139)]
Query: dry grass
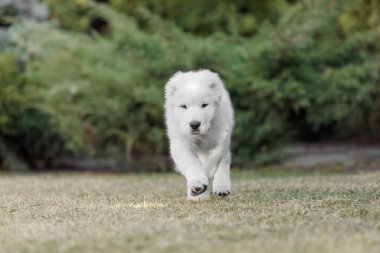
[(149, 213)]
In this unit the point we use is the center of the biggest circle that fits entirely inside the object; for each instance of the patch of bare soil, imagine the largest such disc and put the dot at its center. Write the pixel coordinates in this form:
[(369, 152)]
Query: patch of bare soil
[(350, 157)]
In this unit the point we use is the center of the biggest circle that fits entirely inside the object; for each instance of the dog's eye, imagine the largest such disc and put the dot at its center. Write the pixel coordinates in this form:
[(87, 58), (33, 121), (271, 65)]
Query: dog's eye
[(183, 106), (204, 105)]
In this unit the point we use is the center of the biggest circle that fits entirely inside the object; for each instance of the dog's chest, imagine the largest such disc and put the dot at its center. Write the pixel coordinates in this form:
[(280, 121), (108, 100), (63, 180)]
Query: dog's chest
[(204, 144)]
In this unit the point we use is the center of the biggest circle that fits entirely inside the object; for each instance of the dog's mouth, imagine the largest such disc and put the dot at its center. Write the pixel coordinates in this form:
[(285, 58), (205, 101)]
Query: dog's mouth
[(195, 132)]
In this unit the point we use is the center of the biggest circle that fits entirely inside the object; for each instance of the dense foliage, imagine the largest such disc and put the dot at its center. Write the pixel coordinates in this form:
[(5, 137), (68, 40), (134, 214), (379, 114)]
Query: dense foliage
[(90, 81)]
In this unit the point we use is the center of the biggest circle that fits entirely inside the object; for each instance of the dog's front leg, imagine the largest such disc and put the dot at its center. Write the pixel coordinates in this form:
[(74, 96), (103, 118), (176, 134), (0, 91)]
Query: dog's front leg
[(218, 170), (221, 185), (190, 166), (212, 160), (218, 166)]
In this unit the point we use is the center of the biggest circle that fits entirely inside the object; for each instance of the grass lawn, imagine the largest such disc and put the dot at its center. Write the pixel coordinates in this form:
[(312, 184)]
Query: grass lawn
[(149, 213)]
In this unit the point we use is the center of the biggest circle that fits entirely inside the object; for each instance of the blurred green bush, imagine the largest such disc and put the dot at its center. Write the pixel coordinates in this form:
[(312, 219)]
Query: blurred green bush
[(296, 71), (28, 136)]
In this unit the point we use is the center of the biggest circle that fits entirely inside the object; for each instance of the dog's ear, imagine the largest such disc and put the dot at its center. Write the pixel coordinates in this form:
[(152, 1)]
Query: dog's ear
[(170, 90), (213, 85), (171, 85), (216, 85)]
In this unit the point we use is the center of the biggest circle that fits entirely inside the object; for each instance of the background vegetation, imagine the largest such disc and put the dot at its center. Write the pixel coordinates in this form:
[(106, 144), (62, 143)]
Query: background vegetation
[(89, 81)]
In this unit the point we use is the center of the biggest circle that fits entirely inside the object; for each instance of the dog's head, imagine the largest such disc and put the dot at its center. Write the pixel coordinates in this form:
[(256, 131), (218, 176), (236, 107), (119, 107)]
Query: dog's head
[(192, 99)]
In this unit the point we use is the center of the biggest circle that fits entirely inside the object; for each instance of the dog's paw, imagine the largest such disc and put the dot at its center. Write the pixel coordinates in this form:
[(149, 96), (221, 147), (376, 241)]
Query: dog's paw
[(222, 193), (197, 186), (221, 187), (197, 189)]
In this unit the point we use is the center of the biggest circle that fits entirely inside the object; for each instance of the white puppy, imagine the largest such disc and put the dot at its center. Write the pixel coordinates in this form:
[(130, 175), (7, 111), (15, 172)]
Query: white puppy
[(199, 119)]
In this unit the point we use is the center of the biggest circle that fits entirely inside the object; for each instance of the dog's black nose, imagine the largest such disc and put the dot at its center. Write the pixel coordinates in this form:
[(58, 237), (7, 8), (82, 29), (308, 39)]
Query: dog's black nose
[(195, 124)]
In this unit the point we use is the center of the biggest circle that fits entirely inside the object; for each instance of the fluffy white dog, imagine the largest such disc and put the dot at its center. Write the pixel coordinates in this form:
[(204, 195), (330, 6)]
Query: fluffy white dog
[(199, 119)]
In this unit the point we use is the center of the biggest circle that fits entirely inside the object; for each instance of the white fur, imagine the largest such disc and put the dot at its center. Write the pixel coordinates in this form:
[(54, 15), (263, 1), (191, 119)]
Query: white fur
[(203, 157)]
